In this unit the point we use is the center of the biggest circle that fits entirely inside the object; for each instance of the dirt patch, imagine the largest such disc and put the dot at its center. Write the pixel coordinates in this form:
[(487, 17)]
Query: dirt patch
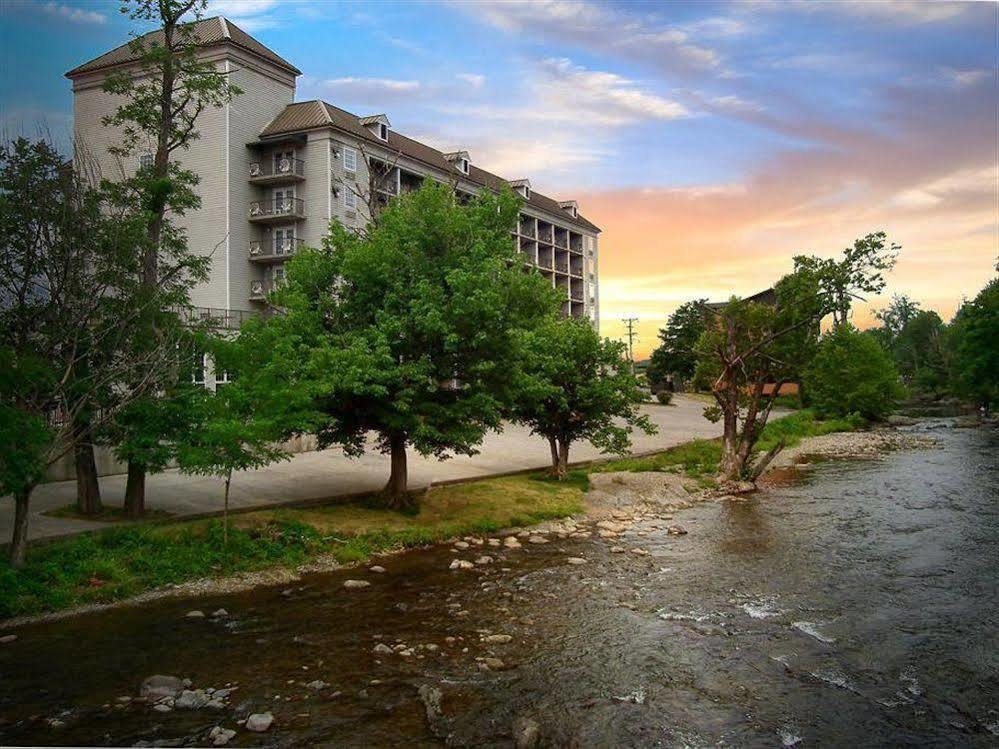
[(647, 492)]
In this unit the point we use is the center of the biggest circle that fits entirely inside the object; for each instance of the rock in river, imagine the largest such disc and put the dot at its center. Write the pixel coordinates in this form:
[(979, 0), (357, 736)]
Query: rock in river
[(259, 722), (460, 564), (526, 733), (194, 614), (377, 569), (511, 542), (356, 584), (382, 649), (221, 736), (497, 639), (7, 638), (676, 530), (576, 560), (191, 700), (158, 686)]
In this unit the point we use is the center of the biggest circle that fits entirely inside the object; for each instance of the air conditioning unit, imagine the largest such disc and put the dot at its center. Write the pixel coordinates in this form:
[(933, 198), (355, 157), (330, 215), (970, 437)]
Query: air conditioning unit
[(254, 169), (284, 166), (256, 288), (255, 248), (255, 209)]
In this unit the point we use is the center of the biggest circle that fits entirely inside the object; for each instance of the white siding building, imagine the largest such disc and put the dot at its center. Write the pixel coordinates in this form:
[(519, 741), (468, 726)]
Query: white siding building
[(274, 173)]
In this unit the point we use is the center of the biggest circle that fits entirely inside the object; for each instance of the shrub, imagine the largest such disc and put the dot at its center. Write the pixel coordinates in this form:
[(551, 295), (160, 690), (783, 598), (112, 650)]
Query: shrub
[(851, 374), (665, 397)]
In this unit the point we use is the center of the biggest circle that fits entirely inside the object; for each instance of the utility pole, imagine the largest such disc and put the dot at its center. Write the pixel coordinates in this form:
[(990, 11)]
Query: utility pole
[(629, 324)]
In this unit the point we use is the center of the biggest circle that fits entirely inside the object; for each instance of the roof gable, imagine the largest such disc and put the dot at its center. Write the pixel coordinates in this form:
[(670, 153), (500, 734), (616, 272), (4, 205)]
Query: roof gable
[(208, 32)]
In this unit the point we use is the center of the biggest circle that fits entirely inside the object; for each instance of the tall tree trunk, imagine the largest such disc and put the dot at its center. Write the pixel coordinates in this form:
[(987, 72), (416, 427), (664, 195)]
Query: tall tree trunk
[(563, 459), (730, 468), (88, 489), (135, 490), (553, 444), (398, 481), (19, 541), (225, 511)]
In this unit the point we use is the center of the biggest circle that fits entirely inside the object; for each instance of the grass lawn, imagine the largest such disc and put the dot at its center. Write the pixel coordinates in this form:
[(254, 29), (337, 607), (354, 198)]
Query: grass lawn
[(120, 562)]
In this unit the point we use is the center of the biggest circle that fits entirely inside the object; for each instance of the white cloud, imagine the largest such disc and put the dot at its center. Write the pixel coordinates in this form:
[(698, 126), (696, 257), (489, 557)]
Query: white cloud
[(597, 27), (369, 90), (964, 78), (74, 15), (717, 27), (911, 12), (249, 15), (475, 80), (982, 182)]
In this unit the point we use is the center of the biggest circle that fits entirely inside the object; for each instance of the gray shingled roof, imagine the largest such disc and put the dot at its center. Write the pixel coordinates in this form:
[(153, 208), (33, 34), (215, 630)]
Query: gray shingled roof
[(307, 115), (208, 31)]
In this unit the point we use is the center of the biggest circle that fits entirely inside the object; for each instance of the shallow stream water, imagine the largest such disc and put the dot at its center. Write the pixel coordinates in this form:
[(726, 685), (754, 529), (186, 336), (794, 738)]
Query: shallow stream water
[(856, 604)]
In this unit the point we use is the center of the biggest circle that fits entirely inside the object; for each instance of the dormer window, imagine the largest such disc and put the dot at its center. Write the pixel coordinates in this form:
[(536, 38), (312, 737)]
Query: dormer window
[(460, 160), (378, 125), (522, 187), (571, 207)]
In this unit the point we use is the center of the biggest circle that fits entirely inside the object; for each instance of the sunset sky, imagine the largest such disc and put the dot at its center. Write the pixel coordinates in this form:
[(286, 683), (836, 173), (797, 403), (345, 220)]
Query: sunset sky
[(710, 141)]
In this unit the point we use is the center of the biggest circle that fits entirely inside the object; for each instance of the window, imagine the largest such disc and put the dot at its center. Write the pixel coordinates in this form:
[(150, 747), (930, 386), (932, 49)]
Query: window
[(527, 191), (349, 199), (382, 131), (463, 165), (146, 161), (198, 367), (349, 160)]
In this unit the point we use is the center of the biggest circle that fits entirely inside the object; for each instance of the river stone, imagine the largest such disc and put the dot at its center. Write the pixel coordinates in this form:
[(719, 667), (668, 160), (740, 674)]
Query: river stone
[(640, 552), (382, 649), (461, 544), (355, 584), (377, 568), (494, 542), (526, 733), (431, 696), (485, 559), (576, 560), (220, 614), (511, 542), (610, 525), (460, 564), (317, 685), (676, 530), (191, 700), (497, 639), (221, 736), (617, 549), (493, 664), (537, 540), (194, 614), (7, 638), (259, 722), (159, 686), (162, 708)]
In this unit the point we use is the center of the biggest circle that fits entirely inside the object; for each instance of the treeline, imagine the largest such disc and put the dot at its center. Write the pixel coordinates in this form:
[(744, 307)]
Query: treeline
[(745, 352), (422, 331)]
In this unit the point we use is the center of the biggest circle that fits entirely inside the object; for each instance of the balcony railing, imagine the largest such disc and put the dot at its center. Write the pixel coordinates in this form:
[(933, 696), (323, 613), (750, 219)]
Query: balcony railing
[(278, 208), (275, 249), (277, 170), (215, 317), (260, 289)]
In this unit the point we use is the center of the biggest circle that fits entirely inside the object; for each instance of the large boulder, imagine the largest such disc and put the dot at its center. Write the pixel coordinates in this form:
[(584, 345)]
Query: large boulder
[(159, 686), (259, 722)]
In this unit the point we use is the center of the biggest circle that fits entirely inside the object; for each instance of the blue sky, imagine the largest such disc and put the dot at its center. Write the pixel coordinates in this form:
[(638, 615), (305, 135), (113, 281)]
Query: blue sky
[(709, 140)]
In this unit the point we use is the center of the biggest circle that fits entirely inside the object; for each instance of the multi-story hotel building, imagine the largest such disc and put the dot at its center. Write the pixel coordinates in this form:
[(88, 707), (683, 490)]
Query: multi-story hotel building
[(274, 173)]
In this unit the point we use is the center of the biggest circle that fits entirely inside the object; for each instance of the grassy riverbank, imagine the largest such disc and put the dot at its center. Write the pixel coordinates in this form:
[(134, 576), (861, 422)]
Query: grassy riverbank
[(117, 563), (699, 458)]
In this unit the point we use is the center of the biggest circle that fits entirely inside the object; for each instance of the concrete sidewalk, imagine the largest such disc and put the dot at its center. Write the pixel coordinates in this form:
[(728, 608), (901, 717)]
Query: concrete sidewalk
[(328, 474)]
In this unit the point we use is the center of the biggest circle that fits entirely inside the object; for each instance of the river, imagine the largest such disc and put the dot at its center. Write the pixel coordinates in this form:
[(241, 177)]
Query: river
[(852, 604)]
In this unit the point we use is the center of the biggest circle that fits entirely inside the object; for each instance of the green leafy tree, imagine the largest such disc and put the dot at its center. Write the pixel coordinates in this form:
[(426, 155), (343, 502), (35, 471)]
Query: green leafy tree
[(852, 374), (676, 355), (921, 353), (975, 348), (71, 302), (751, 349), (893, 319), (430, 300), (162, 97), (573, 386), (245, 422)]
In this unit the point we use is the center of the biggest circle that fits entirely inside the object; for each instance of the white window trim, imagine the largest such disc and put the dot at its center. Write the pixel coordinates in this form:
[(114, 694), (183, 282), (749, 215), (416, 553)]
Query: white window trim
[(352, 157)]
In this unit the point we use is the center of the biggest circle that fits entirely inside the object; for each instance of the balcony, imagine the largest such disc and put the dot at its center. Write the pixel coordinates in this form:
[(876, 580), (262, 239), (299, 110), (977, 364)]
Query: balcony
[(281, 171), (261, 289), (275, 250), (277, 210)]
